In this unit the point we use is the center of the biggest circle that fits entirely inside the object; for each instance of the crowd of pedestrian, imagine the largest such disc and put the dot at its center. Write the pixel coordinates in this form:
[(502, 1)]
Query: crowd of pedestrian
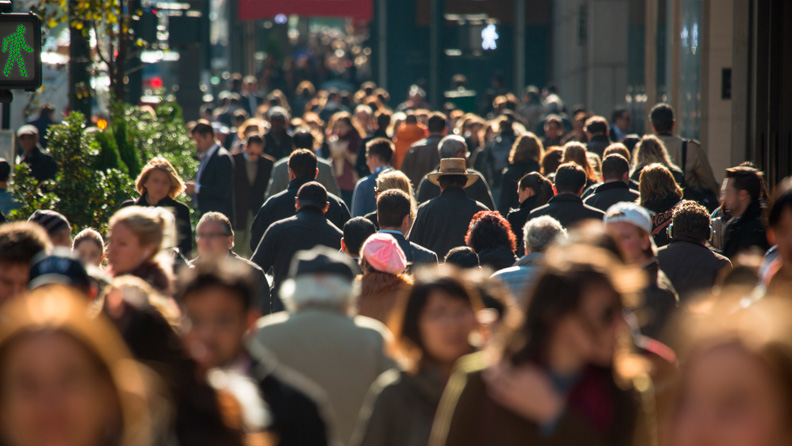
[(368, 273)]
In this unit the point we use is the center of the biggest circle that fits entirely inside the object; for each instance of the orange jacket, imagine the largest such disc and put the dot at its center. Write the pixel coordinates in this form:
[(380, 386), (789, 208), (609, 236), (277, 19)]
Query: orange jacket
[(406, 135)]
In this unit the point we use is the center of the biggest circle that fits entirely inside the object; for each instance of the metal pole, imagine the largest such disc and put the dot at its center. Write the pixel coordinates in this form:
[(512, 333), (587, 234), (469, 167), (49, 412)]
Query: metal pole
[(79, 60), (435, 52), (650, 58), (519, 46), (382, 42), (675, 60)]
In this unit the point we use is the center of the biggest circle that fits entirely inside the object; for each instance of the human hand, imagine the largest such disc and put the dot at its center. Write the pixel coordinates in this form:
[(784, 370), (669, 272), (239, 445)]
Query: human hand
[(189, 187), (525, 390)]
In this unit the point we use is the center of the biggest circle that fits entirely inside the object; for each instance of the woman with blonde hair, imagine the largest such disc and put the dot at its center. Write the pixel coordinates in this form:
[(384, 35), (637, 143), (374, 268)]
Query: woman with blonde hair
[(660, 193), (159, 184), (394, 179), (140, 243), (524, 158), (651, 150), (575, 152), (67, 378)]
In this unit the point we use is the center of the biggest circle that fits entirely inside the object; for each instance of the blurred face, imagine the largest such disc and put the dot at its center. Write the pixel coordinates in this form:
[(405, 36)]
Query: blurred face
[(783, 236), (277, 124), (124, 251), (552, 130), (632, 241), (446, 324), (212, 240), (27, 142), (157, 185), (592, 331), (736, 201), (89, 253), (203, 142), (13, 280), (254, 151), (62, 238), (624, 121), (730, 398), (216, 324), (53, 394), (342, 128)]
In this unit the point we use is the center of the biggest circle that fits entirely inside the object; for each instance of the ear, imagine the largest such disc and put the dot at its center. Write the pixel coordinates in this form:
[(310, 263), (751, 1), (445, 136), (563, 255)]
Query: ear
[(316, 174), (296, 203), (253, 315), (343, 246), (326, 207)]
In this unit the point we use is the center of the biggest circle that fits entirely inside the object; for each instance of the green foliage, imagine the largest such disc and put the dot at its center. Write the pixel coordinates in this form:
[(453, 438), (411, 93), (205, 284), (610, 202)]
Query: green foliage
[(85, 195), (108, 157), (93, 181)]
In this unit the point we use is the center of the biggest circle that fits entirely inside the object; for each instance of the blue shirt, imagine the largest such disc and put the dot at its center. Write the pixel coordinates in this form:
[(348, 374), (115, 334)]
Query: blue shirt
[(7, 202), (364, 200)]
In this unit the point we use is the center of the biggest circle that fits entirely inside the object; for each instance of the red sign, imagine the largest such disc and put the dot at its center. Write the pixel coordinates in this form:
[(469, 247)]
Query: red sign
[(268, 9)]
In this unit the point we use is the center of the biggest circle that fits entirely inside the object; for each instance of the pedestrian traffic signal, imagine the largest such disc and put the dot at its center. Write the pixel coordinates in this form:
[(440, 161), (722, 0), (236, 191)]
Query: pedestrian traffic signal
[(20, 36)]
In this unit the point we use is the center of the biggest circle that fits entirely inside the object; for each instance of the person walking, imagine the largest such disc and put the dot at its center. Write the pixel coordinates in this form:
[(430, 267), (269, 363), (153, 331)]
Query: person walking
[(524, 158), (379, 152), (213, 188), (308, 228), (660, 194), (491, 236), (533, 191), (252, 170), (615, 187), (744, 197), (567, 207), (442, 222), (423, 155), (158, 185), (383, 264)]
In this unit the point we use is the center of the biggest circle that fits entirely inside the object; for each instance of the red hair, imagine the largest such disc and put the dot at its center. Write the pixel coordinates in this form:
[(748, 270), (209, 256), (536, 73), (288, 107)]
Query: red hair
[(489, 229)]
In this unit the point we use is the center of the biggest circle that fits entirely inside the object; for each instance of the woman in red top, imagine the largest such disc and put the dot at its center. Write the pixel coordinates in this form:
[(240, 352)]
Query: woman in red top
[(344, 146)]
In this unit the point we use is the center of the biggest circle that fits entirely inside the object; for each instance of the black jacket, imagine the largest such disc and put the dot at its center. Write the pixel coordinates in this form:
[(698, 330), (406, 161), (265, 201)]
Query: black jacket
[(607, 194), (184, 233), (441, 223), (42, 164), (598, 144), (690, 265), (284, 238), (278, 147), (249, 197), (497, 258), (217, 185), (745, 231), (297, 418), (415, 254), (509, 198), (568, 209), (281, 205), (518, 217), (478, 191)]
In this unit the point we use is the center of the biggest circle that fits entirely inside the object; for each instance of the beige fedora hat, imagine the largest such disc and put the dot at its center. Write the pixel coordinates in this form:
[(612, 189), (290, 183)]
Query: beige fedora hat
[(452, 166)]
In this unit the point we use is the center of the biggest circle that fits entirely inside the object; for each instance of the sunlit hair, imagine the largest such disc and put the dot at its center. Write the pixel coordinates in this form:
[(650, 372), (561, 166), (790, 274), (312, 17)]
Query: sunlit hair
[(89, 235), (551, 160), (153, 226), (405, 318), (759, 329), (163, 165), (651, 150), (396, 179), (617, 148), (59, 310), (657, 183), (576, 152), (526, 147), (137, 293)]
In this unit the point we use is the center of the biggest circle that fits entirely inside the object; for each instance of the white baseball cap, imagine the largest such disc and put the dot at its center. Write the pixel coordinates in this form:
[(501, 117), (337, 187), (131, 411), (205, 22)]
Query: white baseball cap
[(629, 213)]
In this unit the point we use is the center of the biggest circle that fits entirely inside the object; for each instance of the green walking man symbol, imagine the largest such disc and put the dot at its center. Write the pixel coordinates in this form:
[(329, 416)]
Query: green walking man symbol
[(14, 44)]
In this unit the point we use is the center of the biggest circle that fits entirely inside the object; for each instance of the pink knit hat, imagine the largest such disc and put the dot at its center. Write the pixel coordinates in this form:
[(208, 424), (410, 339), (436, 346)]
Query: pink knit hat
[(383, 253)]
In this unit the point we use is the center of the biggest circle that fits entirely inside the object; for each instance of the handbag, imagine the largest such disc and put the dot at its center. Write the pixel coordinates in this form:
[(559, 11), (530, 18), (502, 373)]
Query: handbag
[(705, 197)]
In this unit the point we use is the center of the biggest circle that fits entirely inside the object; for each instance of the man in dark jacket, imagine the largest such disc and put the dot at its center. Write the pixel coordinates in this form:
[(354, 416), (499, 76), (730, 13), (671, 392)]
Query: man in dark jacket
[(303, 231), (394, 213), (213, 189), (743, 197), (615, 187), (252, 169), (217, 300), (441, 223), (302, 169), (597, 134), (45, 119), (688, 261), (423, 155), (630, 226), (378, 159), (278, 141), (567, 207), (42, 165), (454, 146), (215, 241)]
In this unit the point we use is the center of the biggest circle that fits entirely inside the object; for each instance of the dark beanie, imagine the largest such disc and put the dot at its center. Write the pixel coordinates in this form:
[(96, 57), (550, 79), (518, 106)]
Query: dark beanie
[(52, 222)]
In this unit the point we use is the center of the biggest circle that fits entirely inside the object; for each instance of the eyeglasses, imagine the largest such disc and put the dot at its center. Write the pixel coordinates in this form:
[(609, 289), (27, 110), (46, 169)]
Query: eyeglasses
[(211, 235)]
